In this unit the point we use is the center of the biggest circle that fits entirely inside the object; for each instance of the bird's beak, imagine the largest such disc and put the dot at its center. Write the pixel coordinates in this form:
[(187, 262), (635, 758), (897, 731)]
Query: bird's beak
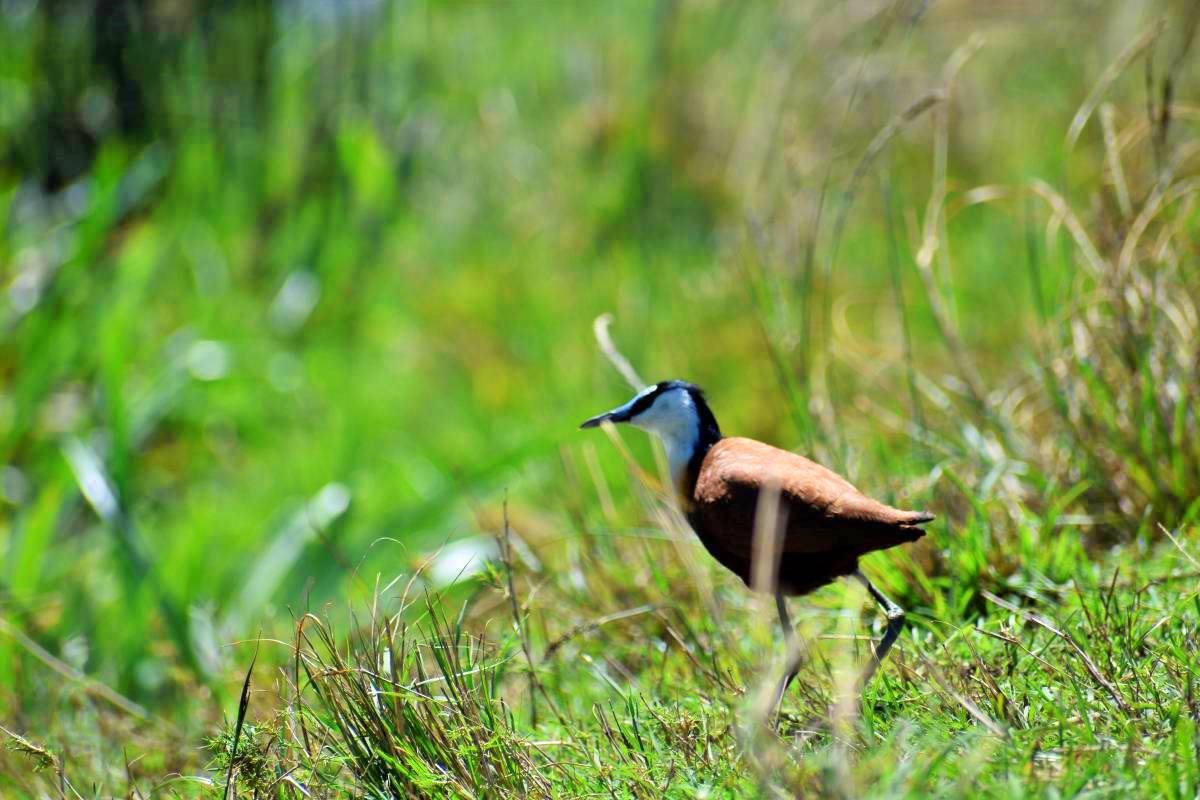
[(616, 415)]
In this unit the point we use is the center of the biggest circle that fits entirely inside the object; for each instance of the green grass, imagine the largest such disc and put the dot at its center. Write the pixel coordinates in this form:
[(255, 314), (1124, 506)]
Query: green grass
[(330, 306)]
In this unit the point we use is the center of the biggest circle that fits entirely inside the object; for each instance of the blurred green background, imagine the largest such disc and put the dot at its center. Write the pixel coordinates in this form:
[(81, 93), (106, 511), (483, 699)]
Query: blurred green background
[(295, 293)]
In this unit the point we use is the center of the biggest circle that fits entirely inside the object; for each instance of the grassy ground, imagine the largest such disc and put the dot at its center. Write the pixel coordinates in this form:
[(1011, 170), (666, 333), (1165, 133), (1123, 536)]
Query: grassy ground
[(329, 307)]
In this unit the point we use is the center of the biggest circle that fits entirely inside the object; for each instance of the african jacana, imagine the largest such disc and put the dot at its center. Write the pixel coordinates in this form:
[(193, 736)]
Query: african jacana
[(825, 523)]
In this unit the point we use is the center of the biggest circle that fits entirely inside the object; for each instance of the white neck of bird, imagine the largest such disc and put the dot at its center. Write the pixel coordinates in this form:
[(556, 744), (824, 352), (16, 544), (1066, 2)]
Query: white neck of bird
[(679, 453), (674, 420)]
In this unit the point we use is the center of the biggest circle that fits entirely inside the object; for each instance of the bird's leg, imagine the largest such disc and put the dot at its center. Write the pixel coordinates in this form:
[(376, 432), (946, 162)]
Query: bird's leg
[(794, 652), (895, 618)]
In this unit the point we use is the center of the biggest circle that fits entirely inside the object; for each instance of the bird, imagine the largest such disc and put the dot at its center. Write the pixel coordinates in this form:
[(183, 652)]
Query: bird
[(824, 523)]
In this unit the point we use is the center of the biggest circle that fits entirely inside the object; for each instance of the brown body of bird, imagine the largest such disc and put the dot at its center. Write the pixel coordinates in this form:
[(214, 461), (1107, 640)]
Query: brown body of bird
[(827, 524), (823, 523)]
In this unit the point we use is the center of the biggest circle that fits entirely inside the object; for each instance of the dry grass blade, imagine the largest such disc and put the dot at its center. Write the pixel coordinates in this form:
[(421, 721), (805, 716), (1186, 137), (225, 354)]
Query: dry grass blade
[(914, 110), (1179, 546), (770, 525), (824, 375), (1114, 70), (1088, 663), (631, 463), (92, 687), (1063, 212), (1158, 200), (1113, 154), (600, 622), (604, 340), (932, 231), (885, 135), (968, 705)]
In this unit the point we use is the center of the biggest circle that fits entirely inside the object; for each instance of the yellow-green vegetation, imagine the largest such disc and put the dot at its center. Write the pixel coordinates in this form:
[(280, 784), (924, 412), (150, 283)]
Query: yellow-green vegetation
[(299, 296)]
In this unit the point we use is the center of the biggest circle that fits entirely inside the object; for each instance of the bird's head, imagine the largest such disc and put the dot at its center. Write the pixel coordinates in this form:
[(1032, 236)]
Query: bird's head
[(673, 410)]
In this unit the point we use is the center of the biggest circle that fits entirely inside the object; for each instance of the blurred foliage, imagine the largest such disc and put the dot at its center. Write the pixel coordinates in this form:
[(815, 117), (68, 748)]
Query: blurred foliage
[(295, 292)]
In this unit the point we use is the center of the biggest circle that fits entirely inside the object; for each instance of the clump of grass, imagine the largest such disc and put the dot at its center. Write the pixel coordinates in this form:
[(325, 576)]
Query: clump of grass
[(1121, 366), (247, 752), (1114, 414), (1102, 430), (417, 713), (437, 704)]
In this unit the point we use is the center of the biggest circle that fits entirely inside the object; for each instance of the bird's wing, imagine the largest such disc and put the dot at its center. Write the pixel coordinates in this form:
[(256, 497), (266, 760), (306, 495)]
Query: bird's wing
[(823, 512)]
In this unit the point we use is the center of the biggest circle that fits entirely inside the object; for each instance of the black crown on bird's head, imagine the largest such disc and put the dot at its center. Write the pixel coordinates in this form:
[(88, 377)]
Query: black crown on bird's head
[(708, 429)]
